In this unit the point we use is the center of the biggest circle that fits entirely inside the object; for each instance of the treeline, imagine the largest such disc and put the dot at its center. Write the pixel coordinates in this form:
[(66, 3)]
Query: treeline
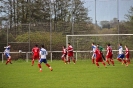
[(30, 22)]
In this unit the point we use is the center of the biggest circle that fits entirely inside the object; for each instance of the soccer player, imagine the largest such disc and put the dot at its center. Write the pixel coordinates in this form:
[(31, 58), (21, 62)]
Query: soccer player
[(64, 54), (99, 57), (101, 49), (35, 52), (70, 53), (7, 54), (43, 58), (93, 50), (121, 55), (109, 55), (127, 54)]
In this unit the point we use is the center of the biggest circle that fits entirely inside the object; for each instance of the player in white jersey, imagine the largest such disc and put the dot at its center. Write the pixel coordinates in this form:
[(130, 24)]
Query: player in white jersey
[(7, 54), (121, 55), (93, 51), (43, 54)]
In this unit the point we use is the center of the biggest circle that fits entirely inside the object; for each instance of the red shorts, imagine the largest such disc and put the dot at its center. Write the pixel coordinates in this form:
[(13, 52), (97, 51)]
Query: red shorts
[(109, 56), (99, 59), (127, 56), (36, 56), (70, 54)]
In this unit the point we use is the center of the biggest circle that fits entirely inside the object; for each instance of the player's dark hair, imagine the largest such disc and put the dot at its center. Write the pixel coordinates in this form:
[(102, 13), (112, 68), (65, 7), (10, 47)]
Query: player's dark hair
[(42, 46), (64, 46), (126, 45), (120, 44), (69, 43), (36, 45), (108, 44), (93, 43)]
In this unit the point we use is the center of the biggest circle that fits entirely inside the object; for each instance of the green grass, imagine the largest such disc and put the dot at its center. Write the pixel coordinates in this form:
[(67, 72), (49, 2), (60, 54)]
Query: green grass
[(83, 74)]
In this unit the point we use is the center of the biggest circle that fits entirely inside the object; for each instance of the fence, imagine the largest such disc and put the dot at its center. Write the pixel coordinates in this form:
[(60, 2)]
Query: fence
[(79, 55)]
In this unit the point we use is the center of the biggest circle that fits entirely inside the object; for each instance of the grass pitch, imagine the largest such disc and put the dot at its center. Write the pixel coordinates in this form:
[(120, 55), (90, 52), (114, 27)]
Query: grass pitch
[(83, 74)]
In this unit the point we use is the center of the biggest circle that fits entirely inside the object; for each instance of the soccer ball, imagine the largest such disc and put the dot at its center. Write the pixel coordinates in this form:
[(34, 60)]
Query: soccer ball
[(20, 51)]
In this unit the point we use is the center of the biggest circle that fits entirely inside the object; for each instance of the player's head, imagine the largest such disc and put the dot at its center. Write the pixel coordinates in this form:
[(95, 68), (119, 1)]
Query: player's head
[(93, 44), (42, 46), (120, 44), (9, 45), (108, 44), (64, 46), (97, 45), (69, 43), (36, 45), (126, 46)]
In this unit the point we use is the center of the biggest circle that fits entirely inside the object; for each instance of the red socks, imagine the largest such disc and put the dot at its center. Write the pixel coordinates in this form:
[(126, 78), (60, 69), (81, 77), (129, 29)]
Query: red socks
[(39, 65), (119, 60)]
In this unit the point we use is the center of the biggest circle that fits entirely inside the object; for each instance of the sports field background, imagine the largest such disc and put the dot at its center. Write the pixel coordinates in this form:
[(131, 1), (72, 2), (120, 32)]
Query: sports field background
[(83, 74)]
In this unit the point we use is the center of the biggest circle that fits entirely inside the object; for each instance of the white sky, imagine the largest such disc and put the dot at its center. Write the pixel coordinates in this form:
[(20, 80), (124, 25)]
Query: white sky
[(107, 9)]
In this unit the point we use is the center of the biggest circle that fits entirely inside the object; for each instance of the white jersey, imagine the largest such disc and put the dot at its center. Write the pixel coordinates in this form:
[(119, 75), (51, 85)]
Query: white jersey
[(43, 53), (7, 49), (120, 50), (93, 48)]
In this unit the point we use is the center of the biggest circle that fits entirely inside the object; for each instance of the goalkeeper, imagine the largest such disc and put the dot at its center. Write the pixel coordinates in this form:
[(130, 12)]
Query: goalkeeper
[(101, 49)]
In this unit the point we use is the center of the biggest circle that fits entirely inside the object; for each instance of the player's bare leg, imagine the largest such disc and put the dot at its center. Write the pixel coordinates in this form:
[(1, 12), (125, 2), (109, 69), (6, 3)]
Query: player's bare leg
[(107, 61), (32, 62), (68, 59), (9, 60), (119, 59), (104, 63), (49, 67), (93, 60), (73, 60), (112, 61), (97, 64), (40, 67)]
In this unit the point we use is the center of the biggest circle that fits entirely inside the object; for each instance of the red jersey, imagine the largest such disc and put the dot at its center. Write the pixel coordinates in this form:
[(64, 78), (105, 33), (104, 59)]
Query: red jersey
[(98, 53), (70, 50), (127, 53), (64, 51), (35, 50), (109, 51)]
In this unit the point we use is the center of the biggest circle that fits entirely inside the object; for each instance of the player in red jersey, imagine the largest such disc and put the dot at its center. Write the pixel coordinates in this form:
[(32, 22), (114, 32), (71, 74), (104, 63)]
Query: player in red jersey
[(35, 52), (70, 53), (64, 54), (109, 55), (127, 54), (99, 58)]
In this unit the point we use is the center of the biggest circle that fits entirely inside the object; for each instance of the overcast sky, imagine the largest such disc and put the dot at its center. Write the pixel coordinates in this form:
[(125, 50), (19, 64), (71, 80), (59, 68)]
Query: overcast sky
[(107, 9)]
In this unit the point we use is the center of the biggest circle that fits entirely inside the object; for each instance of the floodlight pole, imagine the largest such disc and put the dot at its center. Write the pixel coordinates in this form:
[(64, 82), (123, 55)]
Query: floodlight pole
[(7, 34), (95, 15), (118, 18), (50, 31)]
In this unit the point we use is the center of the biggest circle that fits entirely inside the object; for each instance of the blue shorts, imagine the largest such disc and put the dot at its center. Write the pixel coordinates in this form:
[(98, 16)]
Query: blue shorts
[(43, 60), (7, 55), (121, 56)]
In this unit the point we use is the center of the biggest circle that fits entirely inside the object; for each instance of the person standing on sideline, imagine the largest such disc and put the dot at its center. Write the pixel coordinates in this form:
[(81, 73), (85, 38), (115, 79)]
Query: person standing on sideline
[(127, 54), (7, 54), (70, 53), (35, 53), (43, 53), (101, 50), (121, 55), (109, 55), (93, 51), (64, 54)]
